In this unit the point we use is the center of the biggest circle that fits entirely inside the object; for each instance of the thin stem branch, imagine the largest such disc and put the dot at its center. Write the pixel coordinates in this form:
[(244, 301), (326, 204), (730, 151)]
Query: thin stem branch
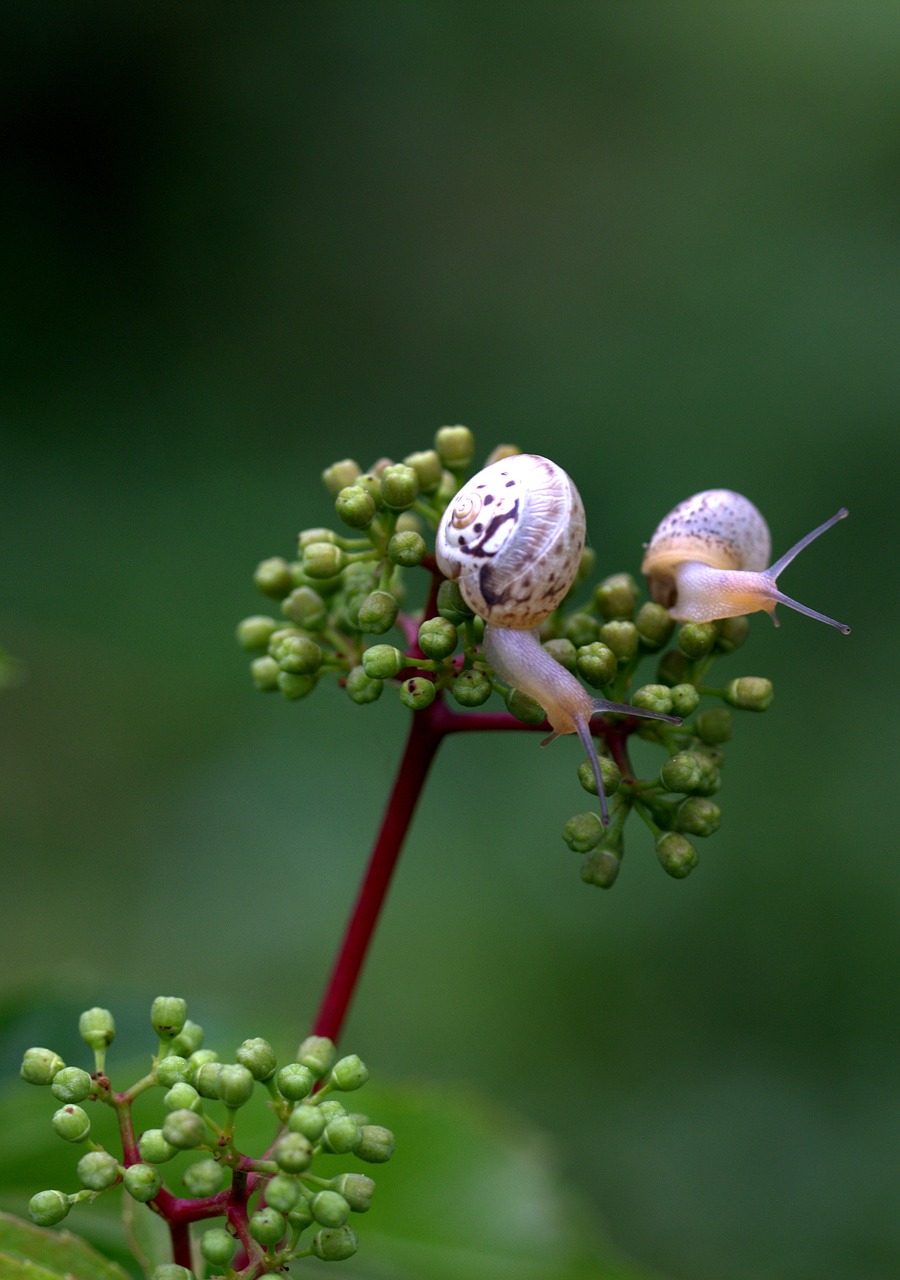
[(424, 738)]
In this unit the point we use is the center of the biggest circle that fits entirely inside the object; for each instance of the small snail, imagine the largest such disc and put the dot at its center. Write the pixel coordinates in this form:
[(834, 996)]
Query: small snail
[(513, 538), (707, 560)]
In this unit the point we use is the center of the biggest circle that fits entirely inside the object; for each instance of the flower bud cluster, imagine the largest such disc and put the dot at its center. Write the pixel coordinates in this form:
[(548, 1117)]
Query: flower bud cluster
[(343, 606), (202, 1095), (605, 643)]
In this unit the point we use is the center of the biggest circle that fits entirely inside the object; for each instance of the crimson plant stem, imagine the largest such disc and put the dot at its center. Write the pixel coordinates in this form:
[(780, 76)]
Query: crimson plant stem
[(425, 736)]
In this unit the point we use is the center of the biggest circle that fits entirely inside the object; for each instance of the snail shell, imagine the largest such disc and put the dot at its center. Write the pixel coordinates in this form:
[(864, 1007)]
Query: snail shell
[(513, 537), (717, 527)]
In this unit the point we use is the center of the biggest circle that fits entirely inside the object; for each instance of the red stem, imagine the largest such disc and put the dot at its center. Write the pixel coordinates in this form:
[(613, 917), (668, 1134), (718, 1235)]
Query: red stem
[(425, 734)]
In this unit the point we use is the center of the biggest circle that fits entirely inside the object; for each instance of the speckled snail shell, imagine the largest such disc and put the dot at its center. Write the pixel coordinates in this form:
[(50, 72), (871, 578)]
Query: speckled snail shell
[(708, 559), (513, 537)]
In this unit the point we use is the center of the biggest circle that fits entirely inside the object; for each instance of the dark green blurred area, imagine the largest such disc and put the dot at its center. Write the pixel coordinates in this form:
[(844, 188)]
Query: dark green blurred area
[(657, 241)]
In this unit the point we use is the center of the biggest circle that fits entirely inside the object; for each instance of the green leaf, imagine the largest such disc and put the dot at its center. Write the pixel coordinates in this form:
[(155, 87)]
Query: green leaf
[(34, 1253)]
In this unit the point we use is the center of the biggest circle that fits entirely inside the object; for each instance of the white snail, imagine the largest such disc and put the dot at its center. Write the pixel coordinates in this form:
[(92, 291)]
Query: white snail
[(708, 557), (513, 538)]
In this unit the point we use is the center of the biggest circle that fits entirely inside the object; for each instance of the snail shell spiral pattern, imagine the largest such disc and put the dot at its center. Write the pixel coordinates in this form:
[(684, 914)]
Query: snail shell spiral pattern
[(513, 538)]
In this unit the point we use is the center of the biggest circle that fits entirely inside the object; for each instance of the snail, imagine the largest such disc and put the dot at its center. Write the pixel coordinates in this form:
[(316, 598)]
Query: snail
[(513, 538), (708, 557)]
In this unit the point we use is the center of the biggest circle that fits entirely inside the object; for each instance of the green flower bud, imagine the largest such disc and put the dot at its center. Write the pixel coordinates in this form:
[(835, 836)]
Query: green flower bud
[(524, 708), (206, 1077), (299, 655), (357, 1189), (653, 697), (295, 1080), (282, 1192), (437, 638), (349, 1073), (293, 686), (340, 474), (168, 1015), (292, 1153), (318, 1053), (142, 1182), (621, 637), (672, 668), (188, 1040), (732, 633), (407, 548), (330, 1208), (273, 577), (455, 446), (609, 771), (322, 560), (382, 661), (97, 1028), (376, 1145), (677, 856), (696, 639), (306, 537), (72, 1123), (306, 608), (596, 663), (361, 688), (690, 772), (171, 1271), (217, 1246), (698, 816), (685, 699), (583, 832), (331, 1108), (471, 688), (654, 626), (399, 487), (265, 673), (356, 507), (253, 633), (182, 1096), (98, 1170), (562, 651), (172, 1069), (616, 596), (714, 726), (335, 1244), (342, 1134), (581, 629), (600, 868), (307, 1120), (184, 1130), (154, 1148), (750, 693), (451, 605), (204, 1177), (378, 612), (200, 1058), (428, 468), (235, 1084), (71, 1084), (586, 565), (417, 693), (258, 1057), (48, 1207), (40, 1066)]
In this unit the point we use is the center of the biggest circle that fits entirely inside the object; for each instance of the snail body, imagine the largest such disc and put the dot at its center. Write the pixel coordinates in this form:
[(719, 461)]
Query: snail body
[(513, 538), (708, 559)]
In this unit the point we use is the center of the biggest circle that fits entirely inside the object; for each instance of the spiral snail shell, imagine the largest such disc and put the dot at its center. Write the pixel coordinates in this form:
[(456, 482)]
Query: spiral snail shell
[(707, 560), (513, 538)]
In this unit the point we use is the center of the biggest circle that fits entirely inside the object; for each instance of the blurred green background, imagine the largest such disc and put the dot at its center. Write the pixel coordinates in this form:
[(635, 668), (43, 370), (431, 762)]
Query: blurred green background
[(658, 241)]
